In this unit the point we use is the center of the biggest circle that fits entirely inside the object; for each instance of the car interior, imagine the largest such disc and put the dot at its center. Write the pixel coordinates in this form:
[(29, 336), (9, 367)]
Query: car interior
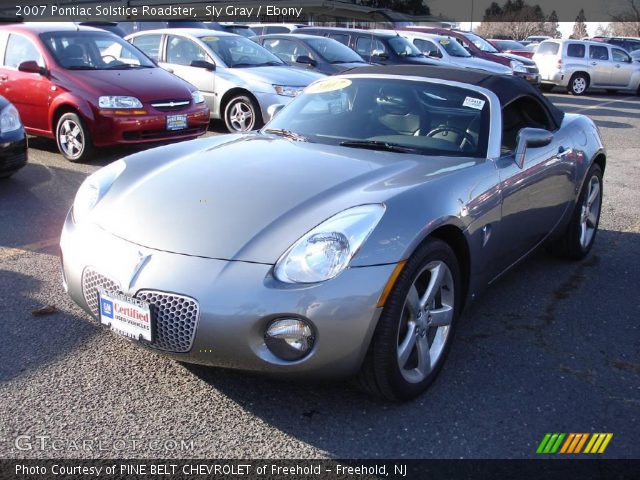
[(518, 114)]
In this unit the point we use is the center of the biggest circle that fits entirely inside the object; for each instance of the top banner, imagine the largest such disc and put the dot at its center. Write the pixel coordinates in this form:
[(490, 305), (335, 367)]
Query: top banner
[(381, 13)]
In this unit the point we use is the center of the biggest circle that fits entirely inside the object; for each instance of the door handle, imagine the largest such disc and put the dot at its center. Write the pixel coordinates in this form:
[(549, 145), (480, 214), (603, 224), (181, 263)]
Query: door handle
[(3, 78), (563, 152), (617, 65), (594, 63)]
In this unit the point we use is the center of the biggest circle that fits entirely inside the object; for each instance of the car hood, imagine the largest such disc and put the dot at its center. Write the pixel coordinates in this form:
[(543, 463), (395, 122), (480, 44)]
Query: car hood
[(283, 75), (166, 86), (250, 197), (471, 62), (526, 61)]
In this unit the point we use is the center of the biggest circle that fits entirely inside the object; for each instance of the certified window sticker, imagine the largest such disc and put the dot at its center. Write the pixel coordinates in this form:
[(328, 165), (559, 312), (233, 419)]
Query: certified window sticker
[(473, 103)]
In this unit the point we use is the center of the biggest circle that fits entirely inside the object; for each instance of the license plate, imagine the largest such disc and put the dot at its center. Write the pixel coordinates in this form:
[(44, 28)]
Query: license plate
[(126, 315), (176, 122)]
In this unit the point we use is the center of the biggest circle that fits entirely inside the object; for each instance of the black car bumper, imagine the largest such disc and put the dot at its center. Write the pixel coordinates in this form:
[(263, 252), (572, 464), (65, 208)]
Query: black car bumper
[(13, 152)]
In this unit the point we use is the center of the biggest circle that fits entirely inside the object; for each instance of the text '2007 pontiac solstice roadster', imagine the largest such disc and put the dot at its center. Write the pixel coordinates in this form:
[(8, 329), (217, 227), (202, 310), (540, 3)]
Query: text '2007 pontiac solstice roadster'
[(345, 236)]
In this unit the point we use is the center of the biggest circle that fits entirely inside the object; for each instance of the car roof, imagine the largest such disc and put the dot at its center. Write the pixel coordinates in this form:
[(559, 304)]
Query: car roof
[(46, 27), (353, 30), (506, 87), (193, 32), (300, 36)]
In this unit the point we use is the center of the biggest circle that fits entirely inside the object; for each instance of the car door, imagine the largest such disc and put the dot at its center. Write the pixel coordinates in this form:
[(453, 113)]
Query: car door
[(622, 69), (536, 194), (29, 92), (179, 54), (600, 65)]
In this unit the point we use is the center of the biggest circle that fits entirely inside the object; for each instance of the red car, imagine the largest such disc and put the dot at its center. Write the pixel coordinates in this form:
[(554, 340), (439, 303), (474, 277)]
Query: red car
[(511, 46), (88, 88), (479, 47)]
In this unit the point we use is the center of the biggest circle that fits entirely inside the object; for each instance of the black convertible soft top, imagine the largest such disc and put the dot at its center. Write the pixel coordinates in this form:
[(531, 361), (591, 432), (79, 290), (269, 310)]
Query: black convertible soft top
[(506, 87)]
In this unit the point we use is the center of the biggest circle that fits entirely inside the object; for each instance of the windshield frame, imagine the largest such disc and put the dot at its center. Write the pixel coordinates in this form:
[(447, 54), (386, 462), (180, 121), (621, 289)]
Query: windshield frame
[(492, 150), (55, 36)]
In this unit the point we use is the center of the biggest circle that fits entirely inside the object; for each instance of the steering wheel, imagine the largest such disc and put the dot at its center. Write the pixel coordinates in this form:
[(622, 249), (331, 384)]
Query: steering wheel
[(107, 56), (466, 136)]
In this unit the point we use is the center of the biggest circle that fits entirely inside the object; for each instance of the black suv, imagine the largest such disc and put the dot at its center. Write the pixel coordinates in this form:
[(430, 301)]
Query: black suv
[(381, 47)]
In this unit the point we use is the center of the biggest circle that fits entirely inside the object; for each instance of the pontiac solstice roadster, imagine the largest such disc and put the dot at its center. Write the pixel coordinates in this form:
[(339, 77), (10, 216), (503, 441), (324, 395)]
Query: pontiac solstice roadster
[(343, 238)]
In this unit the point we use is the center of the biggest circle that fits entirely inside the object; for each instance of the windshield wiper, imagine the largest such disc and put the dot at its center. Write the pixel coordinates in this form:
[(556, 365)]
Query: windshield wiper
[(287, 134), (122, 66), (379, 145), (81, 67), (244, 65)]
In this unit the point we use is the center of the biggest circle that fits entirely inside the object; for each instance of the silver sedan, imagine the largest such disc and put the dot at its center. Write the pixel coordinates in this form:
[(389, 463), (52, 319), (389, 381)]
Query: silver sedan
[(239, 78), (343, 238)]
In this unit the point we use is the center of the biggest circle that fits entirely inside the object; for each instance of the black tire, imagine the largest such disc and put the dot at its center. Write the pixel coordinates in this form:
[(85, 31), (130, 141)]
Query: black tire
[(381, 371), (546, 87), (578, 84), (612, 91), (569, 245), (74, 145), (235, 114), (6, 175)]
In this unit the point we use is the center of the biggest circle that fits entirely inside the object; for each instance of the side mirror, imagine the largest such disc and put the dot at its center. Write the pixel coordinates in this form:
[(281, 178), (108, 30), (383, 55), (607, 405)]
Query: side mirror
[(379, 54), (531, 138), (30, 66), (306, 60), (273, 110), (203, 64), (432, 54)]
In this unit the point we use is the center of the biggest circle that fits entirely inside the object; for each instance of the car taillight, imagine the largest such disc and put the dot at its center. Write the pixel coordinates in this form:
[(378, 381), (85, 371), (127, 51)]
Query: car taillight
[(559, 65)]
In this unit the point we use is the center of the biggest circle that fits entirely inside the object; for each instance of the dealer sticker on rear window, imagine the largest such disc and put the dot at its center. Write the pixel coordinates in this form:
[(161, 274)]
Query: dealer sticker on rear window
[(473, 103)]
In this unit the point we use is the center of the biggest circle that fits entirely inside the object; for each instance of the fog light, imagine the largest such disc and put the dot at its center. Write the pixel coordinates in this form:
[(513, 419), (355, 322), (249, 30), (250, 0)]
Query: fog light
[(289, 338)]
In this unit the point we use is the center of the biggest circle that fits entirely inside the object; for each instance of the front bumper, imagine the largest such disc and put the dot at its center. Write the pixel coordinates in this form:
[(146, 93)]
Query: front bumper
[(115, 129), (13, 151), (265, 100), (236, 301), (532, 78)]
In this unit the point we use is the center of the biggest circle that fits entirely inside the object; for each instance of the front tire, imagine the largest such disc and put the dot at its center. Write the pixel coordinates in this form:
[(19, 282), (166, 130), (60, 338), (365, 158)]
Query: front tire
[(577, 240), (416, 327), (578, 84), (242, 114), (73, 139)]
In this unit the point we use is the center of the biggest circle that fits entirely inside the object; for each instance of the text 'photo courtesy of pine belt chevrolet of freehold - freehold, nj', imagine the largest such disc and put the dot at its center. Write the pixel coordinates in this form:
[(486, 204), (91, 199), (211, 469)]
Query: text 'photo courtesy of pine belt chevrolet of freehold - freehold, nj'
[(324, 239)]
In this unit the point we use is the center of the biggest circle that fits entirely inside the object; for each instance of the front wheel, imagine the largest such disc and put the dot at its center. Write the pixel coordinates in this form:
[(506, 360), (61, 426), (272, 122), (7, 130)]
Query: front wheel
[(416, 327), (72, 136), (242, 114), (577, 240), (578, 84)]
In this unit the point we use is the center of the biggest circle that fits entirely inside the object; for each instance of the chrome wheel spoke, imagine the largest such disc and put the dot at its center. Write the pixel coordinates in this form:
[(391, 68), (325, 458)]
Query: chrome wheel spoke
[(592, 219), (441, 317), (424, 356), (413, 302), (407, 345), (595, 191), (435, 282)]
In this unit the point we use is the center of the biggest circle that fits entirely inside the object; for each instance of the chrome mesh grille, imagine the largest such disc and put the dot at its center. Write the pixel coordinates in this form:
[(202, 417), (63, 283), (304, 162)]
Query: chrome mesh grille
[(176, 316)]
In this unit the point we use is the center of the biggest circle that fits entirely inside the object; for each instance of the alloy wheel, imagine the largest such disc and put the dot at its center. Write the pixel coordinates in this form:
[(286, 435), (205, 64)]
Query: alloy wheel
[(71, 138), (590, 212), (241, 117)]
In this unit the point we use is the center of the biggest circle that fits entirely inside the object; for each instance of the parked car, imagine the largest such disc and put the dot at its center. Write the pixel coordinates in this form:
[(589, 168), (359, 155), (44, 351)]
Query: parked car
[(578, 65), (141, 26), (479, 47), (381, 47), (87, 88), (449, 52), (237, 28), (314, 247), (13, 140), (537, 38), (321, 54), (511, 46), (629, 44), (635, 55), (239, 79), (268, 28)]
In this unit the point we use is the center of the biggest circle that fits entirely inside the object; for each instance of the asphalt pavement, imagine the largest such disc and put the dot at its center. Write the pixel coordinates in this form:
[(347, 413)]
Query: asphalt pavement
[(553, 347)]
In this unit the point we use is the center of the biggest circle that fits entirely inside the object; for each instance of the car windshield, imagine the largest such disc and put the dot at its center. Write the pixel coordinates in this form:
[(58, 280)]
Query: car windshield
[(240, 30), (481, 43), (508, 45), (453, 48), (404, 48), (86, 50), (240, 52), (399, 115), (333, 51)]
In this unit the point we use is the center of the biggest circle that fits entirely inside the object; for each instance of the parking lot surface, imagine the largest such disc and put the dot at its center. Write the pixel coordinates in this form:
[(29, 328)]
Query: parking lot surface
[(552, 347)]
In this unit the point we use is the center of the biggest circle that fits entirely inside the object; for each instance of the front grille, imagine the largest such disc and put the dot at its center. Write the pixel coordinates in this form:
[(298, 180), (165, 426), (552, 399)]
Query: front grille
[(170, 105), (176, 316)]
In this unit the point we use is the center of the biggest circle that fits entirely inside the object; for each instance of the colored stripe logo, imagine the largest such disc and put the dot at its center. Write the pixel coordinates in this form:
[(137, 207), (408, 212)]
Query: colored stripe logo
[(574, 443)]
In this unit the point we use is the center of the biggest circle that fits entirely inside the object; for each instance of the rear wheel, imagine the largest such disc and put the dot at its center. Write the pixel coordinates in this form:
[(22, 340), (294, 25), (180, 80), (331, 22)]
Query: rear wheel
[(578, 84), (72, 136), (416, 327), (578, 239), (242, 114)]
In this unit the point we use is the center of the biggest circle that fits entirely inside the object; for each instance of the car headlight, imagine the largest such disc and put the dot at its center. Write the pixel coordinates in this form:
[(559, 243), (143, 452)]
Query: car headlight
[(287, 91), (119, 102), (518, 67), (9, 119), (197, 96), (94, 187), (327, 250)]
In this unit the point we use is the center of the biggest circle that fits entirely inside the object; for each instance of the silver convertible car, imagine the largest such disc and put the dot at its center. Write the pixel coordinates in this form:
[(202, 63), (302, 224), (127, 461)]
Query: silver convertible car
[(343, 238)]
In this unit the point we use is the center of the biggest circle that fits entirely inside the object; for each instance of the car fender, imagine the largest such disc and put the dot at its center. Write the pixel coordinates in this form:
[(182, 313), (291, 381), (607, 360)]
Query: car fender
[(226, 81), (68, 99)]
